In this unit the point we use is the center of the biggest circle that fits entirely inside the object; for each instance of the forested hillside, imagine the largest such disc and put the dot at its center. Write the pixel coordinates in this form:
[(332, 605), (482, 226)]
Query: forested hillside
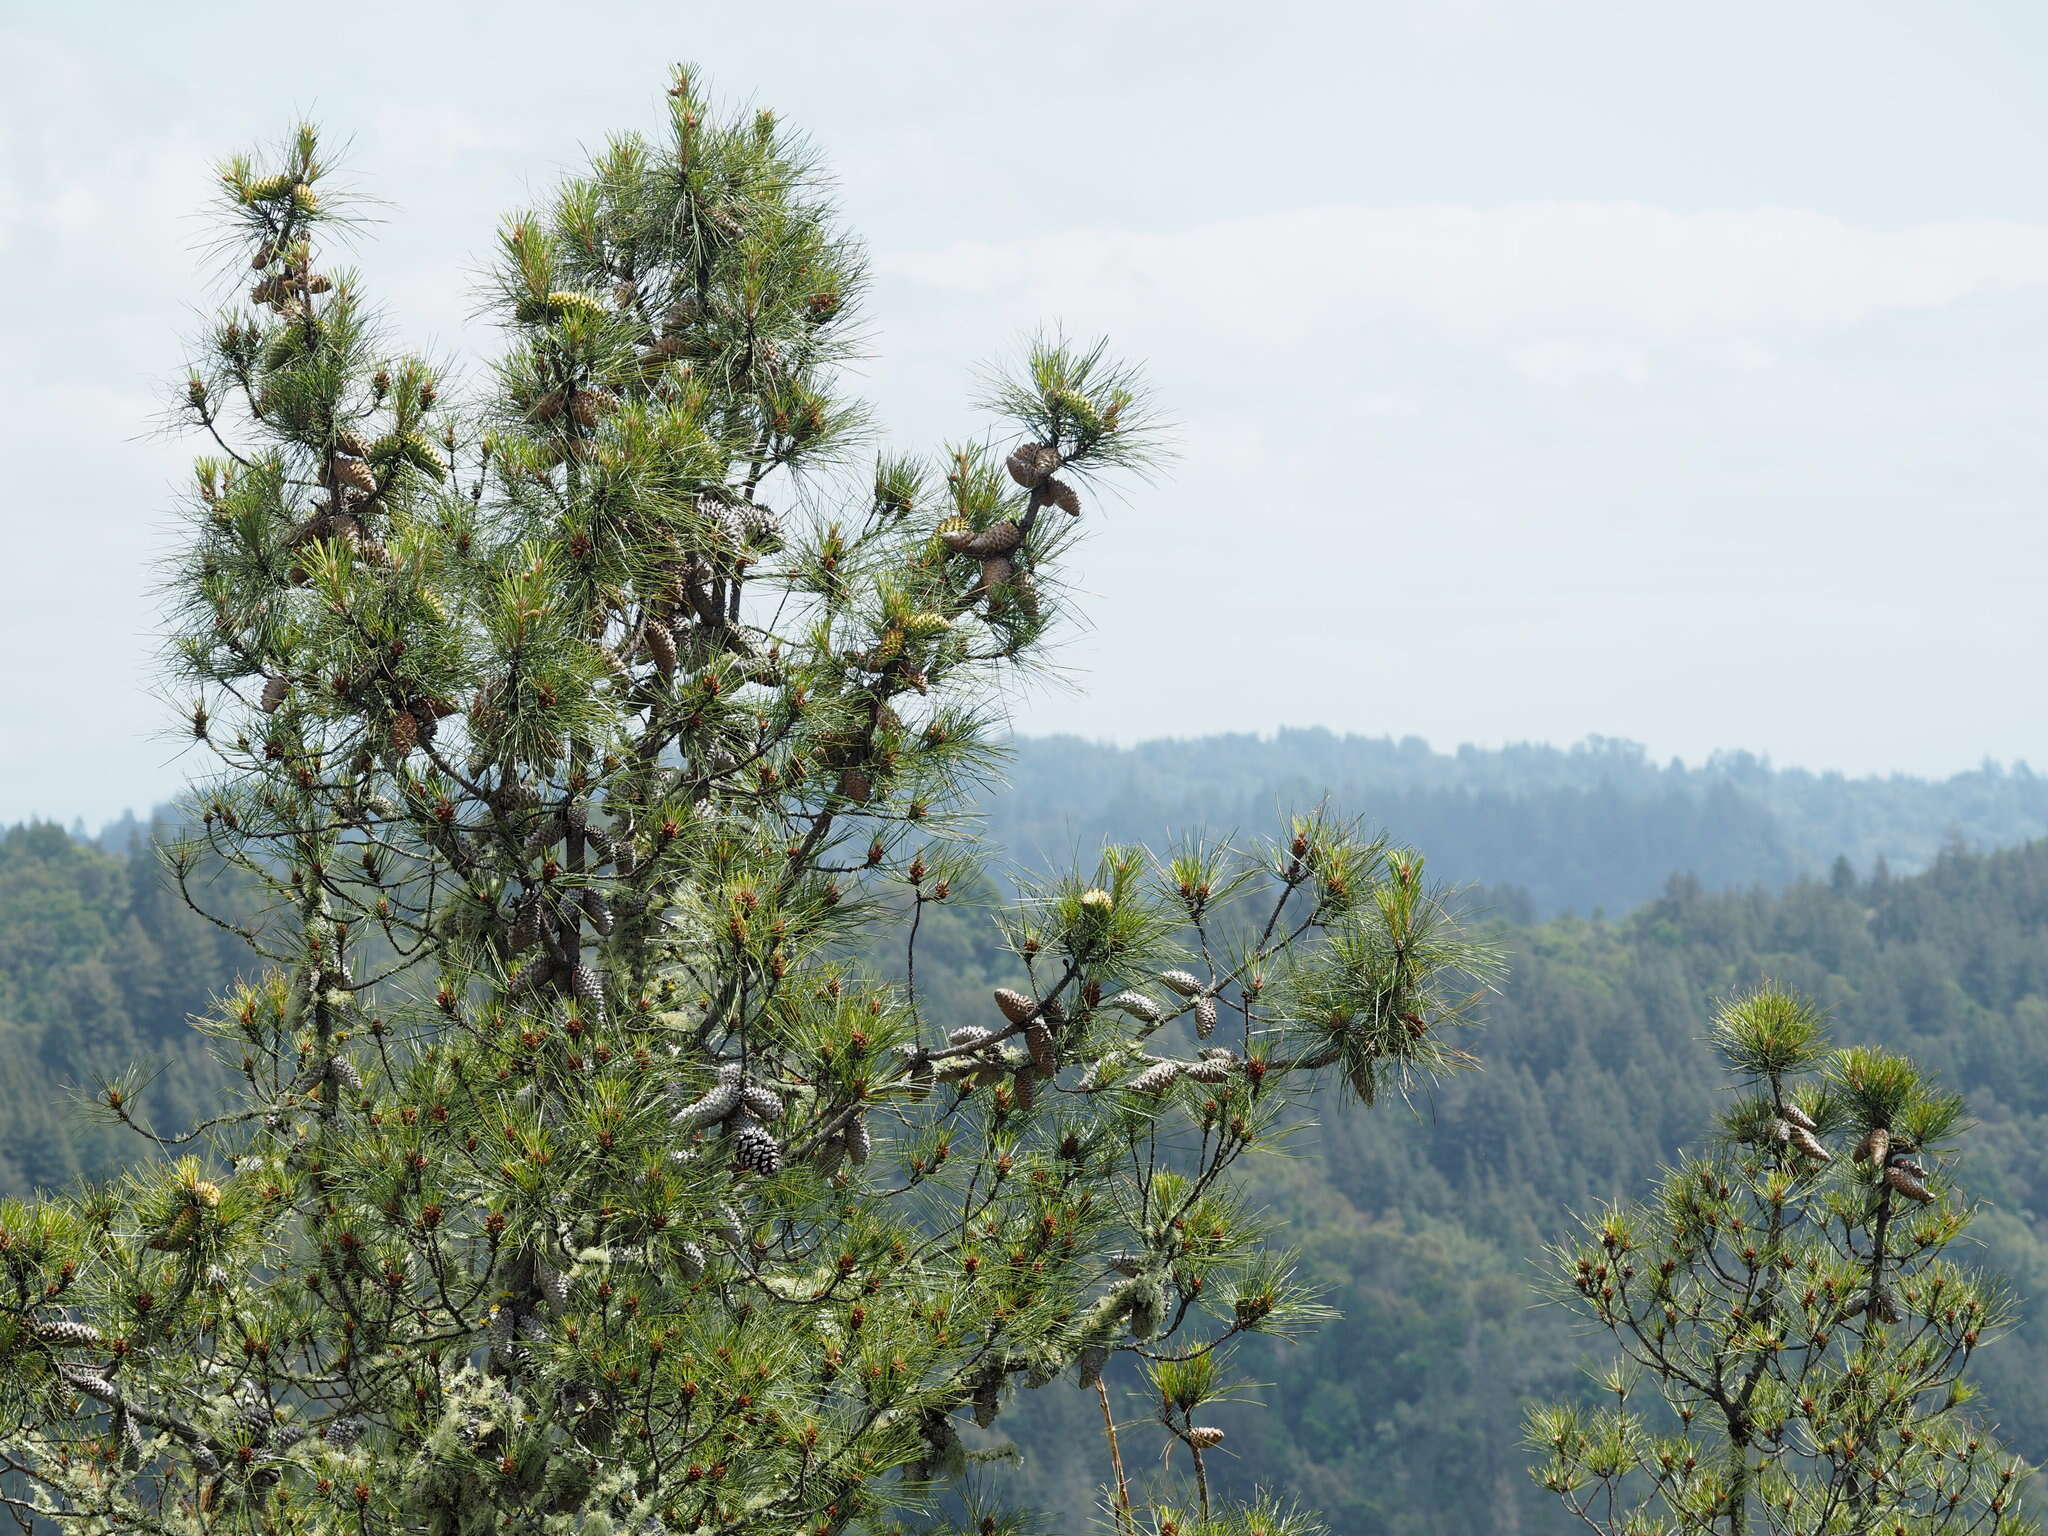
[(1423, 1220), (100, 964), (1595, 826)]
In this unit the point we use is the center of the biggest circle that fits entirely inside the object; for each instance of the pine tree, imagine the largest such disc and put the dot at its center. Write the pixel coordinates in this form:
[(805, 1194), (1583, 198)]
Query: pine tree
[(1790, 1303), (588, 733)]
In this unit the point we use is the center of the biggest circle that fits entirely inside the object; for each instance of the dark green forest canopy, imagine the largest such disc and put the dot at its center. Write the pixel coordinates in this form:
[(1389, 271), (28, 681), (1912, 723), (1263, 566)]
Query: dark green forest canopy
[(1404, 1415)]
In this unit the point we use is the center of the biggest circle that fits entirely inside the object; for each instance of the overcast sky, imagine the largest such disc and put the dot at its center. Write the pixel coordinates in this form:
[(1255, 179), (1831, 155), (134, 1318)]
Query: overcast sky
[(1543, 367)]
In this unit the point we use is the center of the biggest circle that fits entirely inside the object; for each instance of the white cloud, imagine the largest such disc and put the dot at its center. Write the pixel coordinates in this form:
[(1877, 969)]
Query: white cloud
[(1460, 455), (1563, 289)]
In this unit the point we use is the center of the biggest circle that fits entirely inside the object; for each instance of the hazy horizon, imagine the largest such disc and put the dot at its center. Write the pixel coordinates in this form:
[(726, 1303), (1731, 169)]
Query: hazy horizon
[(140, 810), (1543, 370)]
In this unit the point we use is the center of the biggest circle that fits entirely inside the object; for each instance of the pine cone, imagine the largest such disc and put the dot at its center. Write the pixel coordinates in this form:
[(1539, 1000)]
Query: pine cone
[(503, 1332), (528, 919), (860, 1144), (1182, 982), (355, 474), (1031, 464), (690, 1258), (661, 645), (1809, 1144), (1205, 1017), (275, 691), (351, 443), (348, 528), (968, 1034), (345, 1075), (1886, 1309), (405, 732), (93, 1384), (554, 1285), (66, 1334), (761, 1102), (855, 785), (1906, 1184), (598, 910), (997, 571), (546, 408), (1873, 1147), (1024, 1085), (761, 527), (589, 406), (1210, 1071), (532, 977), (1038, 1039), (548, 832), (999, 538), (1063, 496), (419, 451), (1015, 1005), (345, 1431), (1800, 1118), (1156, 1078), (756, 1151), (720, 1100), (588, 990), (1136, 1004), (723, 528), (183, 1228), (1204, 1436)]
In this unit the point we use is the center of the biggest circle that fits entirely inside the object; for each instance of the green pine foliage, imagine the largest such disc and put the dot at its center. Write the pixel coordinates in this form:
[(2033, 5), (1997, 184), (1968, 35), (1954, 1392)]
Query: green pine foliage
[(1792, 1332), (577, 739), (1404, 1414)]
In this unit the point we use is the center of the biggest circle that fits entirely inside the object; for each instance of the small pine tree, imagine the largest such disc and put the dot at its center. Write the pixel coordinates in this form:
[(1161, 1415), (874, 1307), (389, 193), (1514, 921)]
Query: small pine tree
[(1789, 1301), (588, 732)]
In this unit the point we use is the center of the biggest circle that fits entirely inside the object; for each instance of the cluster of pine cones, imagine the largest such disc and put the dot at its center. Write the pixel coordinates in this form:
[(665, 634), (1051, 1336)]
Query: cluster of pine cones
[(1888, 1155), (738, 1106)]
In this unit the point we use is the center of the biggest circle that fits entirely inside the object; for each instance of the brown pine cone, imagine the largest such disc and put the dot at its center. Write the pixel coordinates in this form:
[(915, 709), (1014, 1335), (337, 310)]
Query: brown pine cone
[(1907, 1185), (1015, 1005), (1031, 464)]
